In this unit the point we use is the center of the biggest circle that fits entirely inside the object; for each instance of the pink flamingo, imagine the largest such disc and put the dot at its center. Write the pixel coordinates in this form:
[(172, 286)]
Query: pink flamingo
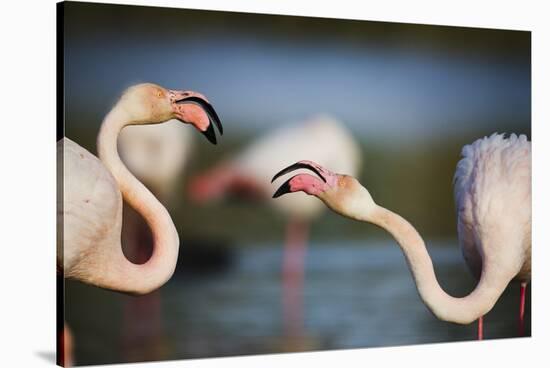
[(493, 201), (247, 174)]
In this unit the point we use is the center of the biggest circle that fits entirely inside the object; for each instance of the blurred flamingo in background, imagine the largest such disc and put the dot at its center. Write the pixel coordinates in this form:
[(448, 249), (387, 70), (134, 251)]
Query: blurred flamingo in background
[(90, 216), (492, 186), (157, 155), (248, 174)]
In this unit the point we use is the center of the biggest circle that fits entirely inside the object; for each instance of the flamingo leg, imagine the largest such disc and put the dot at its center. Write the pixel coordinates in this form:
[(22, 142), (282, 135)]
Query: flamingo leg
[(64, 344), (480, 328), (522, 290), (293, 278), (65, 347)]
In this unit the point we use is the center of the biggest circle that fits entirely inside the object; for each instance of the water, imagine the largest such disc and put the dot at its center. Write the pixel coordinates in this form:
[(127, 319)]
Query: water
[(355, 296)]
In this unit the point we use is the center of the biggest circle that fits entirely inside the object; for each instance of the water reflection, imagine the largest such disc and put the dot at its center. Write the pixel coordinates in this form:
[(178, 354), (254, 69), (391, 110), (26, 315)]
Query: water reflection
[(355, 295)]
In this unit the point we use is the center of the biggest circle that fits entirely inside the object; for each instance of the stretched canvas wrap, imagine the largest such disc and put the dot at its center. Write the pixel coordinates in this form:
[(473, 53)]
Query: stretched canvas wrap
[(403, 217)]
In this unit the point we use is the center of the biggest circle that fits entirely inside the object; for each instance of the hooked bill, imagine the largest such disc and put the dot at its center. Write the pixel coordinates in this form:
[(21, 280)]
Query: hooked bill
[(285, 187), (212, 116)]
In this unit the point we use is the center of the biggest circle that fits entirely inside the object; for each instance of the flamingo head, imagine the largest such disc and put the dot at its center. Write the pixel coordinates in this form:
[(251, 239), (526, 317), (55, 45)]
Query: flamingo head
[(341, 193), (150, 103)]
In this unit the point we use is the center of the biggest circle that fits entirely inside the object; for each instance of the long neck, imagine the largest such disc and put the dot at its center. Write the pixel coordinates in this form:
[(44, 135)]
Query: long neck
[(126, 276), (444, 306)]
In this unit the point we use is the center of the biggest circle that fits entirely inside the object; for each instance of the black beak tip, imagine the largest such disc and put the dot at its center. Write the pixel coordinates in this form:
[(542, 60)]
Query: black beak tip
[(283, 189), (210, 134)]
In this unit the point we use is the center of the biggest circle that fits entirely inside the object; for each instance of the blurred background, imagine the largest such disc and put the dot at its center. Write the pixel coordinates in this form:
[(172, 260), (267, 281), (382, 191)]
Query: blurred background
[(410, 95)]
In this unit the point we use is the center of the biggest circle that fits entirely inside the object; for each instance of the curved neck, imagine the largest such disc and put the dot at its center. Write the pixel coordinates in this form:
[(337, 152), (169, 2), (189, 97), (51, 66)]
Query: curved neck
[(444, 306), (125, 275)]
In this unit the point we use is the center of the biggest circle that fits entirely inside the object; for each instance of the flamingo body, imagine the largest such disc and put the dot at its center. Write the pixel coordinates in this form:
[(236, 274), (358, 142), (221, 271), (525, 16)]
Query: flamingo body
[(91, 211), (493, 202)]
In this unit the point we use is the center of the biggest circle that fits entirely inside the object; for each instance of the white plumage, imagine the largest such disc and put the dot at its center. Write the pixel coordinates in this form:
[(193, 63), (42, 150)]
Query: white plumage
[(493, 202), (91, 209)]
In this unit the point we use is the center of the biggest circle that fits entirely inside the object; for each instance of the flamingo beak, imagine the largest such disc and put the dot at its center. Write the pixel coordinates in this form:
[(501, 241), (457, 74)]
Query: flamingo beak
[(210, 112), (283, 189), (309, 165)]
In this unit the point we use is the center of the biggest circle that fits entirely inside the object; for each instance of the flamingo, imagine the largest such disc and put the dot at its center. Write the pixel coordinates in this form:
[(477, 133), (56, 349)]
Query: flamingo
[(492, 187), (247, 174), (90, 217), (156, 154)]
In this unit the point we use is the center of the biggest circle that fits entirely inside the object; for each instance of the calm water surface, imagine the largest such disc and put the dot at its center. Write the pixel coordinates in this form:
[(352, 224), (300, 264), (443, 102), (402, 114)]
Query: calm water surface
[(355, 296)]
